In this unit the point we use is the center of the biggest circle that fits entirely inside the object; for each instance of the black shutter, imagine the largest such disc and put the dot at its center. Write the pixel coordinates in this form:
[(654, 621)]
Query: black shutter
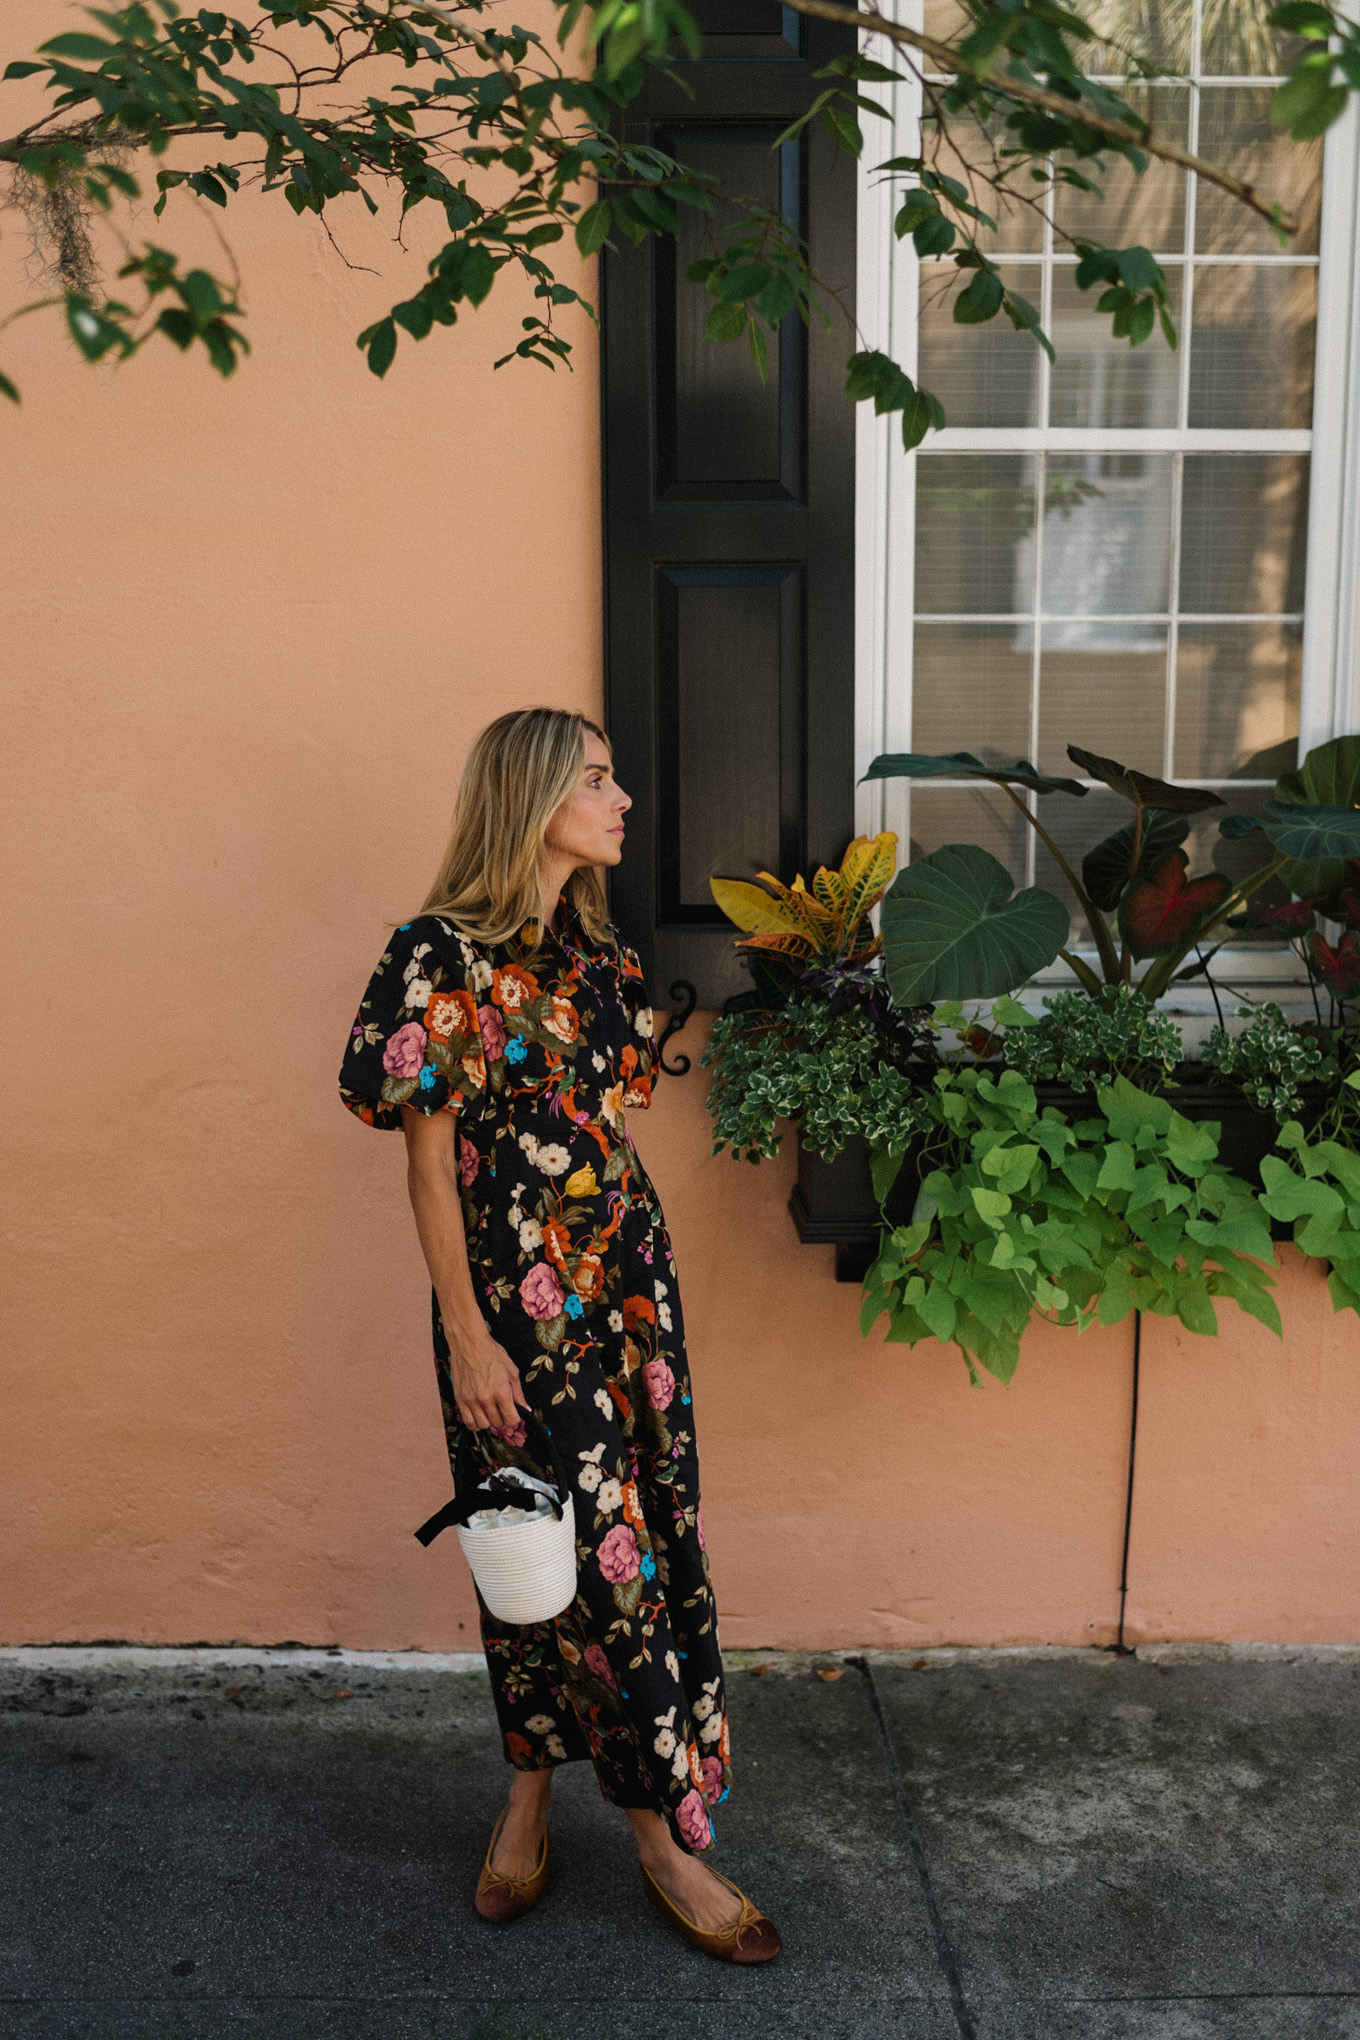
[(729, 519)]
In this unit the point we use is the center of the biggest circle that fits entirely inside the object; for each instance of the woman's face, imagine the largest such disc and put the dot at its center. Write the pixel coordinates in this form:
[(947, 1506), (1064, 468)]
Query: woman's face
[(588, 827)]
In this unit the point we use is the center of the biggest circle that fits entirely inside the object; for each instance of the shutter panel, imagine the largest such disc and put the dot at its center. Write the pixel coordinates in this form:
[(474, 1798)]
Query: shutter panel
[(729, 519)]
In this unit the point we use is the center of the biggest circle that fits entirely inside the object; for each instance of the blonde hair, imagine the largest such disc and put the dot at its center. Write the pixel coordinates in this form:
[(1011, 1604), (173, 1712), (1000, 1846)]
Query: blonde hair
[(518, 773)]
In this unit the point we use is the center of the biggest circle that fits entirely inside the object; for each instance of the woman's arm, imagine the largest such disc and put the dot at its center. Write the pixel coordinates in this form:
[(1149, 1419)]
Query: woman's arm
[(486, 1383)]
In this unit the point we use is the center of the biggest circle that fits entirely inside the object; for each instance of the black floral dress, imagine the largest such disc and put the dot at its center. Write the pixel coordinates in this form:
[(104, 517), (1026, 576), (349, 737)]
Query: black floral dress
[(538, 1049)]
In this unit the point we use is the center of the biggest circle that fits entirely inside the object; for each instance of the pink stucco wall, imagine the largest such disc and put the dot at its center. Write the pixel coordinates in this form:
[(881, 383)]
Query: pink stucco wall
[(246, 632)]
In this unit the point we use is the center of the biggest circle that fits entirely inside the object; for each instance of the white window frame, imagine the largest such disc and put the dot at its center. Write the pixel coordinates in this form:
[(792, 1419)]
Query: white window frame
[(888, 295)]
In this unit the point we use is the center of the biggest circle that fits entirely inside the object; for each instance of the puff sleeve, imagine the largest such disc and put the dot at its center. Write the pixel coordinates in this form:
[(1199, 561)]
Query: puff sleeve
[(641, 1050), (415, 1039)]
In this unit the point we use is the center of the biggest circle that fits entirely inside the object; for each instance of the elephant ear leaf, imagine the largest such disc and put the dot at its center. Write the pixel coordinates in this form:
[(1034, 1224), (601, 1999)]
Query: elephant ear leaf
[(1328, 777), (1106, 870), (1163, 913), (1141, 788), (963, 765), (1313, 834), (952, 930)]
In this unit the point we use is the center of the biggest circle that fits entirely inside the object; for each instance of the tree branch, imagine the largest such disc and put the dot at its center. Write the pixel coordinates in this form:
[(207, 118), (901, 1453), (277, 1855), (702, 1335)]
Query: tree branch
[(871, 22)]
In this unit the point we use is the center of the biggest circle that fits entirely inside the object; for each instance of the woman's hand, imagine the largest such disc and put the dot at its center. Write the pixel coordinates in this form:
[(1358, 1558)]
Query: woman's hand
[(486, 1384)]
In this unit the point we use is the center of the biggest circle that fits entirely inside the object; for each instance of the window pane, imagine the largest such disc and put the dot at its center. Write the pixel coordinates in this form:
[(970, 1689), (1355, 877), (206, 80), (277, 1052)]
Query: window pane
[(974, 521), (983, 375), (1237, 699), (1159, 31), (1018, 210), (1251, 348), (1235, 135), (1107, 542), (970, 690), (1150, 209), (1102, 382), (946, 19), (1112, 701), (1237, 41), (1244, 526), (968, 814)]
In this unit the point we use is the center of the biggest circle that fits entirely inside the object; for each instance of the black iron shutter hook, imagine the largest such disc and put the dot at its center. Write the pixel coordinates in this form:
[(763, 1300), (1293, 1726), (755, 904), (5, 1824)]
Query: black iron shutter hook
[(684, 999)]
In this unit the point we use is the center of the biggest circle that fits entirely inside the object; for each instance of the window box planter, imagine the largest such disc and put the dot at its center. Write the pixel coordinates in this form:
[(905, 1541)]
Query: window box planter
[(833, 1203)]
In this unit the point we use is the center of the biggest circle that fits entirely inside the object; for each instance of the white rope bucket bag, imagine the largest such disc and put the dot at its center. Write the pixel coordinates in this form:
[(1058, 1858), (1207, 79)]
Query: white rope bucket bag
[(518, 1533)]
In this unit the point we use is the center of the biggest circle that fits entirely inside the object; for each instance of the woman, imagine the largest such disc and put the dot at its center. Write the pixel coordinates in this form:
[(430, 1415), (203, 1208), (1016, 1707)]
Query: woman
[(505, 1030)]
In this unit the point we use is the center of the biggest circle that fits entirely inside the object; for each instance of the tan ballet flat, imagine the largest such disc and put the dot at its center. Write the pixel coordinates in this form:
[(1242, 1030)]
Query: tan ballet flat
[(508, 1898), (750, 1937)]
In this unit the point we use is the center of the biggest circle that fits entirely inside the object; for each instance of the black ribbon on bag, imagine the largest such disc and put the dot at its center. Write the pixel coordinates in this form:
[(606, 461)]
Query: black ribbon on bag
[(476, 1486)]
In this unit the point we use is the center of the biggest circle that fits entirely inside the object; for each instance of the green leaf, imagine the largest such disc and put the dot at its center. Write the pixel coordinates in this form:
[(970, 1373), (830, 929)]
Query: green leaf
[(1140, 270), (381, 342), (21, 70), (981, 301), (923, 412), (1194, 1306), (1289, 1196), (1243, 1232), (934, 236), (1328, 777), (885, 1165), (951, 928), (963, 765), (1141, 788), (592, 229), (1312, 834), (1302, 17), (1119, 1168), (991, 1205), (9, 389), (1192, 1144), (1134, 1115), (747, 280), (725, 322), (90, 49)]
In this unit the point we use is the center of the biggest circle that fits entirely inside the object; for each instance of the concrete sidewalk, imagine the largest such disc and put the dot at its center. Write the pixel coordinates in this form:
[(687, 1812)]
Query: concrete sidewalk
[(281, 1846)]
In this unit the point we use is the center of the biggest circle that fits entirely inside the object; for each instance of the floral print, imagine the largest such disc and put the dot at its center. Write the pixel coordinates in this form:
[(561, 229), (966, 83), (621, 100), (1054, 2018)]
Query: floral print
[(539, 1049)]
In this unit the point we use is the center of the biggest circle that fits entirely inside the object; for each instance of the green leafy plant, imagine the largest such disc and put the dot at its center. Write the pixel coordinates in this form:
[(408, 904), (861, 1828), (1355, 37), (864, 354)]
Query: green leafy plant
[(807, 1063), (1086, 1040), (1028, 1214), (981, 942), (1270, 1058), (1319, 1194)]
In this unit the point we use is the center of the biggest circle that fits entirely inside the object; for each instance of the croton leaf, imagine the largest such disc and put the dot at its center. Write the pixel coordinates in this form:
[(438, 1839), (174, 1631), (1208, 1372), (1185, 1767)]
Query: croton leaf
[(963, 765), (1106, 870), (1141, 788), (951, 929), (1338, 968), (1164, 912), (753, 909)]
